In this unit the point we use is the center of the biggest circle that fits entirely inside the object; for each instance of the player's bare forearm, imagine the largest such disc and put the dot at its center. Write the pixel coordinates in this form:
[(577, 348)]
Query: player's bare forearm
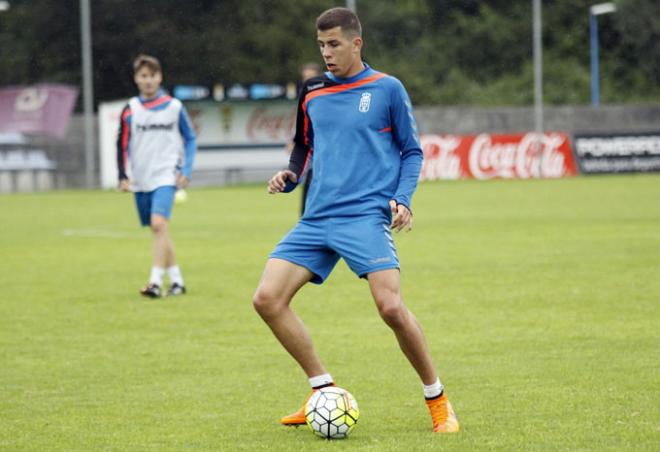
[(277, 183)]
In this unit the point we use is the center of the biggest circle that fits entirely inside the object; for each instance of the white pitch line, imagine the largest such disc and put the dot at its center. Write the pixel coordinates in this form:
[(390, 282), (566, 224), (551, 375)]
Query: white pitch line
[(110, 234), (100, 233)]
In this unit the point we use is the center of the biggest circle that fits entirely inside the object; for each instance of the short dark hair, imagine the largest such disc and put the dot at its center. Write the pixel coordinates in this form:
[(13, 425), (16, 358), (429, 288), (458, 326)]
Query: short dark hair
[(148, 61), (339, 17)]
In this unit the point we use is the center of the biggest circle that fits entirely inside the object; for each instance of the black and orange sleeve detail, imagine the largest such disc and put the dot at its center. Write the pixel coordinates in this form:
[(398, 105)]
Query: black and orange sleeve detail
[(303, 140), (122, 142)]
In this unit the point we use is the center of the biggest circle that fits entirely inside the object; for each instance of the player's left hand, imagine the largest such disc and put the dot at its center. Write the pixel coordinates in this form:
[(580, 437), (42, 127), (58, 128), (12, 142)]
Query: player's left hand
[(181, 181), (277, 183), (401, 217)]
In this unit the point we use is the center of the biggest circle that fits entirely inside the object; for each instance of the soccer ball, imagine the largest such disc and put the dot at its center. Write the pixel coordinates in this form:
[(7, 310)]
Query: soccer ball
[(180, 196), (331, 412)]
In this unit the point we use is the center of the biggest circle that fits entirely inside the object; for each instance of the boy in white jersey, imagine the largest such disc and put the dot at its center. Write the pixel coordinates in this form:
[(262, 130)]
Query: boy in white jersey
[(157, 138)]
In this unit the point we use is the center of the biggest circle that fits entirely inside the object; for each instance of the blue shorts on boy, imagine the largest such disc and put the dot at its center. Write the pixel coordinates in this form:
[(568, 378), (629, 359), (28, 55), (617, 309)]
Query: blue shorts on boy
[(364, 242), (158, 201)]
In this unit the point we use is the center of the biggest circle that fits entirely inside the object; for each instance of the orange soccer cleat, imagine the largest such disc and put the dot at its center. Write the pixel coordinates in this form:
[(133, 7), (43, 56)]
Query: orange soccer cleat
[(297, 418), (444, 418)]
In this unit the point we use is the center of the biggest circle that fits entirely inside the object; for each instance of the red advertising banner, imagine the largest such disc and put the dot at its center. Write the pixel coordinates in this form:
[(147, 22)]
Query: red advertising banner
[(37, 109), (489, 156)]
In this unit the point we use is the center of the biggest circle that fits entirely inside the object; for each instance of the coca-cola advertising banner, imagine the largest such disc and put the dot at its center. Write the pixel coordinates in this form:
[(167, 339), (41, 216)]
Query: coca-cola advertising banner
[(44, 109), (489, 156), (618, 153)]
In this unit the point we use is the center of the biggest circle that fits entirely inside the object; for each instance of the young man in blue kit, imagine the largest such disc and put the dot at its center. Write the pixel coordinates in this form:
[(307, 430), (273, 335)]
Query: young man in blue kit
[(157, 138), (358, 125)]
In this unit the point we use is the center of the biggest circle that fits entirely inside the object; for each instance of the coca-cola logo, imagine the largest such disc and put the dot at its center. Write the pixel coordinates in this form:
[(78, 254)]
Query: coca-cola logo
[(535, 155), (440, 158), (269, 125), (488, 156)]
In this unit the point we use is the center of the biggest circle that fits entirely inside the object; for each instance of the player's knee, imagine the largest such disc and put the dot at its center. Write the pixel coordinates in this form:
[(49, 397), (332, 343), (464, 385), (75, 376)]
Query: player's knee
[(158, 224), (393, 312), (266, 303)]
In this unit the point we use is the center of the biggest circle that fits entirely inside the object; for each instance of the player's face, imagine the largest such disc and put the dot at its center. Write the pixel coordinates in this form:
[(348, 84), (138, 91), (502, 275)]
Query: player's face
[(148, 81), (340, 52)]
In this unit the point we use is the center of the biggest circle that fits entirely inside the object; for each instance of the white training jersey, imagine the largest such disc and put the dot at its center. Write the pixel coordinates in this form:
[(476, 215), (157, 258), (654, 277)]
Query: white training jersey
[(155, 145), (151, 138)]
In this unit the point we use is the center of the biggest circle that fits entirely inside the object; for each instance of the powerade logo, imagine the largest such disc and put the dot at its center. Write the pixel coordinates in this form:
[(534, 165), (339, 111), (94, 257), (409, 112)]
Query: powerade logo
[(609, 153), (154, 127), (365, 102)]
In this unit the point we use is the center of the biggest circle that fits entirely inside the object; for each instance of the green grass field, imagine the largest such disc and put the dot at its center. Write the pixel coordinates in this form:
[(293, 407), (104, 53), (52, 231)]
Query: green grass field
[(540, 301)]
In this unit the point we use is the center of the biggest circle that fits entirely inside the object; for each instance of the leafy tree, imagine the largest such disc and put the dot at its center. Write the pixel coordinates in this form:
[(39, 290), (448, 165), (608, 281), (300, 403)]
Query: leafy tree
[(450, 52)]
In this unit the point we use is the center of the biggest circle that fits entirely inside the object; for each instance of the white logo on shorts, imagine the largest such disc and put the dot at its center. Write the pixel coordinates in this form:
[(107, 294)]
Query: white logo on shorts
[(365, 102)]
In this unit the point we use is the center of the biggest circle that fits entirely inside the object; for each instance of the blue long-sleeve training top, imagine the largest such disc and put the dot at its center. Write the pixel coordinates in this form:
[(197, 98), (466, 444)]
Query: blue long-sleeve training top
[(362, 136)]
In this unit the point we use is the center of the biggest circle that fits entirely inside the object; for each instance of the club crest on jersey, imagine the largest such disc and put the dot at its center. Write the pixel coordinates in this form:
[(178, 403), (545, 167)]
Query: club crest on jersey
[(365, 102)]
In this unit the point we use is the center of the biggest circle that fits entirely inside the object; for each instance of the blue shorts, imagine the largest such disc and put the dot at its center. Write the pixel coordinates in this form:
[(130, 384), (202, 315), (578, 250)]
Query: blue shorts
[(157, 202), (365, 243)]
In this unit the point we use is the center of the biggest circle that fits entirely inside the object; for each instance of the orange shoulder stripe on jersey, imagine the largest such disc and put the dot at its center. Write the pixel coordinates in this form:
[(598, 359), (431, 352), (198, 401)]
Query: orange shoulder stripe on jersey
[(157, 102), (340, 88)]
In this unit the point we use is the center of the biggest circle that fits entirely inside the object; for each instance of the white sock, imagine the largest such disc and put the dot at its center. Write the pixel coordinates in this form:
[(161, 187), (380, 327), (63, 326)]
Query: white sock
[(320, 380), (174, 272), (156, 276), (433, 390)]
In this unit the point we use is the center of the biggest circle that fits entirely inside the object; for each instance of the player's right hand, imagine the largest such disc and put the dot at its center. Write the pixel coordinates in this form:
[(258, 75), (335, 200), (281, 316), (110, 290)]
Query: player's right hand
[(277, 183), (124, 185)]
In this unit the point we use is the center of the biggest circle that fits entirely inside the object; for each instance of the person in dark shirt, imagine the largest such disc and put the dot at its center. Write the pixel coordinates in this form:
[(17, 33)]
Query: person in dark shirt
[(308, 71)]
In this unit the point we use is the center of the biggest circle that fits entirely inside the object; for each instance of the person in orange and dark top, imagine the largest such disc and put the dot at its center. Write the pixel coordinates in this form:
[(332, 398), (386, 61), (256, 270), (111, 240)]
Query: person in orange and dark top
[(307, 71)]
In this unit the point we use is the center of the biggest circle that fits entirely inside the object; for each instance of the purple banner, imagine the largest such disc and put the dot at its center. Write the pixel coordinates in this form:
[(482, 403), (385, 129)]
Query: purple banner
[(40, 109)]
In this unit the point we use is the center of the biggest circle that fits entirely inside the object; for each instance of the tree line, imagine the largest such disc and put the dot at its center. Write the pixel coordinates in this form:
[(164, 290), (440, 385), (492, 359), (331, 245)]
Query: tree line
[(447, 52)]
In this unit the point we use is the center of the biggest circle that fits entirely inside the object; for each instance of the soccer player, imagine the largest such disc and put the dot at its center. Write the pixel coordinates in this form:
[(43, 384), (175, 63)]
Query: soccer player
[(357, 125), (156, 136)]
